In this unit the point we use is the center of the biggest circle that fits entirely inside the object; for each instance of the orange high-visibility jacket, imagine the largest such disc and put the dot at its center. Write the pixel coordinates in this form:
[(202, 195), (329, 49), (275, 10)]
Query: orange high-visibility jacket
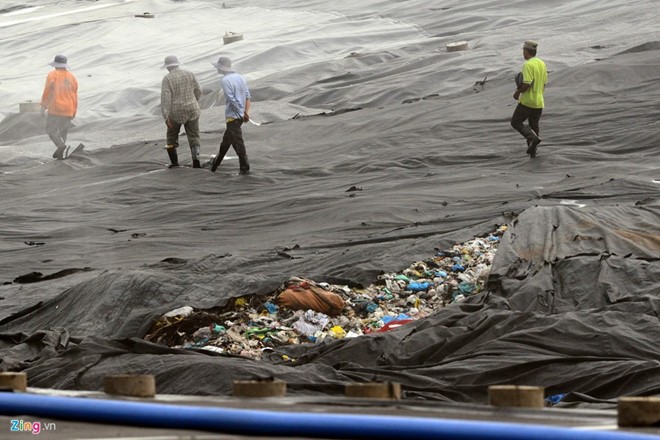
[(60, 95)]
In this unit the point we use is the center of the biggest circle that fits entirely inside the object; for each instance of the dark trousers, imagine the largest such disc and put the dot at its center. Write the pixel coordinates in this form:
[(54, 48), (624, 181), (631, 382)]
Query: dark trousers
[(192, 133), (57, 128), (233, 137), (522, 114)]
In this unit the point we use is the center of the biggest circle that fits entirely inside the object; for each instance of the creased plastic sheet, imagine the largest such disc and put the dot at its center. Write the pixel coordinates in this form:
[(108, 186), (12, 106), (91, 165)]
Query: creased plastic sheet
[(376, 146)]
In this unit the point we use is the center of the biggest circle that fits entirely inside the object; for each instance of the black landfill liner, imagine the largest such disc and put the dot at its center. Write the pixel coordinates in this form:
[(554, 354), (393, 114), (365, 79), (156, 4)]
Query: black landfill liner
[(376, 146)]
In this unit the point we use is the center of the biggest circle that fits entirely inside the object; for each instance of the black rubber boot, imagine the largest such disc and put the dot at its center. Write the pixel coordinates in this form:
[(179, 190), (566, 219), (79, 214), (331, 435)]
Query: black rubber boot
[(174, 158), (215, 164), (243, 164), (59, 153), (194, 151), (533, 140), (533, 146), (529, 134)]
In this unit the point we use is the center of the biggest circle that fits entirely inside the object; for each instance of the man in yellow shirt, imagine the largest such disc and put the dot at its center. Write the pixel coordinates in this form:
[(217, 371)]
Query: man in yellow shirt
[(60, 100), (529, 94)]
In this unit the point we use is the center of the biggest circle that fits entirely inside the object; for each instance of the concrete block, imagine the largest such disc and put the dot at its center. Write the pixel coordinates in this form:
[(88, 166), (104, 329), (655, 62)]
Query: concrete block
[(29, 107), (374, 390), (516, 396), (13, 381), (259, 388), (134, 385), (456, 46), (638, 411)]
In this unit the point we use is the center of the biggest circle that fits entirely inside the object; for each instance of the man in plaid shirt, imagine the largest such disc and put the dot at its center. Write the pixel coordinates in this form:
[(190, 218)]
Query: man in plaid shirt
[(179, 98)]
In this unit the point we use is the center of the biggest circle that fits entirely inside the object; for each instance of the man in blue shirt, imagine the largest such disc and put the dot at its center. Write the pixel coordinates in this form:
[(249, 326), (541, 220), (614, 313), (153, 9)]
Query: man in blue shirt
[(237, 111)]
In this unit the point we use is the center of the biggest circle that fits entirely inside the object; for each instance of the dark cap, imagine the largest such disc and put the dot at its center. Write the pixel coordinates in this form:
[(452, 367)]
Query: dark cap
[(529, 44)]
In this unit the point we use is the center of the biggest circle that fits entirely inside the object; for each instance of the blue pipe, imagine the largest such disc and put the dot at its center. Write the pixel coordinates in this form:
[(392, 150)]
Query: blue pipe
[(285, 424)]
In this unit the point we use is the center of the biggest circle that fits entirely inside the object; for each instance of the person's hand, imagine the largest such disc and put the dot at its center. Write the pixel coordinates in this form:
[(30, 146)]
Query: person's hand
[(516, 95), (168, 123), (43, 111), (246, 117)]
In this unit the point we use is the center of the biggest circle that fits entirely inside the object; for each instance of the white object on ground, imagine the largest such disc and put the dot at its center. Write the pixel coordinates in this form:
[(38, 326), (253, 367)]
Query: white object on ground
[(458, 45), (184, 312), (232, 37)]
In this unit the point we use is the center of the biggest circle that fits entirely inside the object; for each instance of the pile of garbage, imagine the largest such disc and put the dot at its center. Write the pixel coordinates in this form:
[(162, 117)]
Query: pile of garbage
[(302, 311)]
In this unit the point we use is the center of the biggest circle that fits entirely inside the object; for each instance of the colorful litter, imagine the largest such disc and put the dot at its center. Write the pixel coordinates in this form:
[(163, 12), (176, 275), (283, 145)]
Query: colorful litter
[(304, 312)]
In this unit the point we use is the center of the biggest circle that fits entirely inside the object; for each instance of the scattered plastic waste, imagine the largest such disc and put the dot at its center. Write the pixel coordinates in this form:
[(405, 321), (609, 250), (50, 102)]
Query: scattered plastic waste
[(553, 400), (272, 308), (310, 323), (304, 312), (338, 332), (394, 324), (400, 317), (418, 287), (306, 295), (181, 312), (466, 288)]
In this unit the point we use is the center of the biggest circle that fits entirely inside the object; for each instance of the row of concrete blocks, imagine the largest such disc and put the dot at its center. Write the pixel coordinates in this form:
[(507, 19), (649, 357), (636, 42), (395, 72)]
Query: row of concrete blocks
[(632, 411)]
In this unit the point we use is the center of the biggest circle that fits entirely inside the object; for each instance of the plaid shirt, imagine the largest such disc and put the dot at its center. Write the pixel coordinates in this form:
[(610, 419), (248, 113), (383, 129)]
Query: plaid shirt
[(179, 95)]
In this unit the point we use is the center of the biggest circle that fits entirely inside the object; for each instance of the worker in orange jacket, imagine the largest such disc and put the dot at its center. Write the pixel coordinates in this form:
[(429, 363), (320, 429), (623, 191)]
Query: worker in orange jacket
[(60, 100)]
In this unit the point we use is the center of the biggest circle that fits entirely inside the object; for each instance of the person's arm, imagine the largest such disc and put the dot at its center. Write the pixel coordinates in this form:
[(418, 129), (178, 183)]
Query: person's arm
[(166, 100), (520, 90), (527, 81), (196, 89), (74, 81), (246, 115), (46, 96), (248, 97)]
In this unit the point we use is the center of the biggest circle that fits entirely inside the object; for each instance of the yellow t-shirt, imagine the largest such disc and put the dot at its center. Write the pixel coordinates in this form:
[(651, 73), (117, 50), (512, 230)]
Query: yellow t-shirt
[(534, 73)]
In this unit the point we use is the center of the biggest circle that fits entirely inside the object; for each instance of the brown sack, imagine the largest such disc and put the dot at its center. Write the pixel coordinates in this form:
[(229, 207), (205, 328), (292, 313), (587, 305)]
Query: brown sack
[(311, 297)]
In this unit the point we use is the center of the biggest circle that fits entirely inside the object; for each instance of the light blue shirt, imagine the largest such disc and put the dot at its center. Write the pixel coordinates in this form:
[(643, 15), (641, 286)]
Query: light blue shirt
[(236, 92)]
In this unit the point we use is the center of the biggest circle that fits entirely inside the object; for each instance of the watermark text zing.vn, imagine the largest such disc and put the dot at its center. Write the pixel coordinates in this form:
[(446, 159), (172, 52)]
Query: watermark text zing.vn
[(20, 425)]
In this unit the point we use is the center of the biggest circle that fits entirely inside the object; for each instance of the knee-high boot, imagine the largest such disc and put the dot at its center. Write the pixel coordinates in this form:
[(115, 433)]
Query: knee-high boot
[(174, 157), (194, 151), (529, 134), (244, 165)]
